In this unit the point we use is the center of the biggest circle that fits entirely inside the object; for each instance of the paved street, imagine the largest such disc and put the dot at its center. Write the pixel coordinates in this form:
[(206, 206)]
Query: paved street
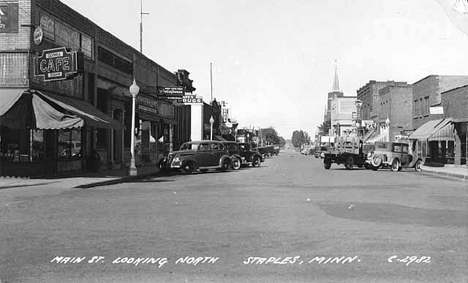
[(287, 221)]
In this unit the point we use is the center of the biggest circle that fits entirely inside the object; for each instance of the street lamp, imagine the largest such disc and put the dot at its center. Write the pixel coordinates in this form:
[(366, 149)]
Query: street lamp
[(211, 128), (358, 104), (134, 89)]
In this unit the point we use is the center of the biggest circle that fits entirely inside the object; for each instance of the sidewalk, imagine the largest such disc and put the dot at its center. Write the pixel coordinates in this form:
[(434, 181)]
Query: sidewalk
[(82, 179), (448, 171)]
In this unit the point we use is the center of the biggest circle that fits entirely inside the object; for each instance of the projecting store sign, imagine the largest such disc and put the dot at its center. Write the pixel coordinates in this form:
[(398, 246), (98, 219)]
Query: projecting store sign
[(171, 91), (56, 64)]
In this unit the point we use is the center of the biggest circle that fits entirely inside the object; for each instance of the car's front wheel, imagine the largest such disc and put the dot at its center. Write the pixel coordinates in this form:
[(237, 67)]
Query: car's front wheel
[(395, 165), (187, 168), (418, 166)]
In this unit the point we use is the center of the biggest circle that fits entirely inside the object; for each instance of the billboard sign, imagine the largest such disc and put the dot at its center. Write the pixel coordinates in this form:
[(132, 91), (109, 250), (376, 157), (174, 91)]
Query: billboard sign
[(56, 64)]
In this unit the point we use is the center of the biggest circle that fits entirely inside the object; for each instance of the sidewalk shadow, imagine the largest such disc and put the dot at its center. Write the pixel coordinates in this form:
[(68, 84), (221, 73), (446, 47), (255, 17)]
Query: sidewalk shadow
[(23, 185)]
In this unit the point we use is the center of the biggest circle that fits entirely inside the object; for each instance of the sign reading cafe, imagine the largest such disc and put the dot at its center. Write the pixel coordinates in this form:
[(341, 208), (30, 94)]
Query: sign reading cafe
[(57, 64)]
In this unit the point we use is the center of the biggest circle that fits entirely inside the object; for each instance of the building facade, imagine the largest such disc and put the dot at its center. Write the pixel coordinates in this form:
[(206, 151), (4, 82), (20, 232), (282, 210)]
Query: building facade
[(60, 65), (427, 93), (395, 117), (370, 97)]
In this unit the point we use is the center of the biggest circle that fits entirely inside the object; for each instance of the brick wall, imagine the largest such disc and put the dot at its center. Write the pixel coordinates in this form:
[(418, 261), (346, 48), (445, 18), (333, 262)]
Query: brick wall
[(433, 86), (455, 103), (400, 101)]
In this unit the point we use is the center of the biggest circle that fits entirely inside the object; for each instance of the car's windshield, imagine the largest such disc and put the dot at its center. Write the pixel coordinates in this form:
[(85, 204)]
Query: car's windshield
[(189, 146)]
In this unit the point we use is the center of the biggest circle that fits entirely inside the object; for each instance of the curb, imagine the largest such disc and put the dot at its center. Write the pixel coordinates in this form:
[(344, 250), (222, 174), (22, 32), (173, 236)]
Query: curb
[(117, 181), (460, 177)]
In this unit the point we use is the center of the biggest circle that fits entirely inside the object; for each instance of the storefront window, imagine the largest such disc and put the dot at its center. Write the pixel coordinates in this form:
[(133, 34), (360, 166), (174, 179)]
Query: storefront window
[(38, 145), (69, 144), (14, 145)]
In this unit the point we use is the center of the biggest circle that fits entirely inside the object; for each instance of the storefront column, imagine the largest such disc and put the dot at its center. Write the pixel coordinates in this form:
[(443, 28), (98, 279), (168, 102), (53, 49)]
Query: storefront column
[(171, 139), (123, 137), (111, 142)]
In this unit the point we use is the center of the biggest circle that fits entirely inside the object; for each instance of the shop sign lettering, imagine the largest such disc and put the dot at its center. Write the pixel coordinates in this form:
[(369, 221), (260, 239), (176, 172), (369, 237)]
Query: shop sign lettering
[(171, 91), (56, 64), (191, 99)]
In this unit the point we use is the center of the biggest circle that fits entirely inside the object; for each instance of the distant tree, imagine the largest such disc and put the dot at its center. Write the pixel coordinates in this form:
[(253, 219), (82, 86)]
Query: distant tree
[(282, 141), (270, 136), (324, 128), (299, 138)]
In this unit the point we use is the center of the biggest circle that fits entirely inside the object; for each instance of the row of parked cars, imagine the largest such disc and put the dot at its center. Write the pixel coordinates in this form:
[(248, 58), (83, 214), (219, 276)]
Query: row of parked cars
[(208, 154)]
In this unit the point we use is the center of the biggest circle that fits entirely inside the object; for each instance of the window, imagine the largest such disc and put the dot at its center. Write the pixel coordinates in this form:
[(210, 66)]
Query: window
[(415, 108), (215, 146), (426, 105), (69, 144), (397, 148), (189, 146), (404, 149), (204, 147), (421, 107)]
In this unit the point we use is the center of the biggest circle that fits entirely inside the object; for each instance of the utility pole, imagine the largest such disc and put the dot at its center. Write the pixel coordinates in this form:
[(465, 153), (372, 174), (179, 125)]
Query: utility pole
[(211, 82), (141, 25)]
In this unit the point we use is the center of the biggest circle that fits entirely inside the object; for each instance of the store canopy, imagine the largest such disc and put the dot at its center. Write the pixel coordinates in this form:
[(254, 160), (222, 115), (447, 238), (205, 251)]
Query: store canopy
[(431, 128), (370, 134), (22, 108), (383, 137), (444, 133)]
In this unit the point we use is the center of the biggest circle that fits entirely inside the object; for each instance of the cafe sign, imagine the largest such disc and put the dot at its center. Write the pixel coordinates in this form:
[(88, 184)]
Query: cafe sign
[(56, 64)]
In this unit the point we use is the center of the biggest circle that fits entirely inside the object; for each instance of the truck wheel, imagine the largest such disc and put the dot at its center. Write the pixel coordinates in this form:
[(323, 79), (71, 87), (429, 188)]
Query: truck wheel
[(417, 166), (327, 164), (395, 165), (349, 162)]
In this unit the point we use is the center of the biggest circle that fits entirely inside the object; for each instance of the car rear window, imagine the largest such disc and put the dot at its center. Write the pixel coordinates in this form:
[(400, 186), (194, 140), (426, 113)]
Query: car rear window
[(189, 146)]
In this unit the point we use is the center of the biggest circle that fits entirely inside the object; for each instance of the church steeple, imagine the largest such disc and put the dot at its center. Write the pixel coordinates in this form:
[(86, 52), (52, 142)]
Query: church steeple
[(336, 83)]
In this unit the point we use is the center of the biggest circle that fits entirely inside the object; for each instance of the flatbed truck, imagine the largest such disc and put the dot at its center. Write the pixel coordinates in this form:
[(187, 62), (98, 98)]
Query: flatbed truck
[(347, 151)]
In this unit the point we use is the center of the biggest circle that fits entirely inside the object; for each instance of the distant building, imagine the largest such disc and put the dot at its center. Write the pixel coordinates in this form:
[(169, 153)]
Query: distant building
[(369, 95)]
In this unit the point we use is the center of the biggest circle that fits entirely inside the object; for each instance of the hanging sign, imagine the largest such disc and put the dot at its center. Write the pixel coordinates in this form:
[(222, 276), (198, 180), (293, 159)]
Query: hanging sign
[(57, 64)]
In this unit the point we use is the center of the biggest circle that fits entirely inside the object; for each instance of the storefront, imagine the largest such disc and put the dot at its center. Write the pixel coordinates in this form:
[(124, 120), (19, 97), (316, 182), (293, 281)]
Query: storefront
[(434, 141), (42, 133)]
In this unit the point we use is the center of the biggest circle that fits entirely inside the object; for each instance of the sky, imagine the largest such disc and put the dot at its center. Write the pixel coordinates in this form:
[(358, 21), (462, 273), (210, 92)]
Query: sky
[(274, 61)]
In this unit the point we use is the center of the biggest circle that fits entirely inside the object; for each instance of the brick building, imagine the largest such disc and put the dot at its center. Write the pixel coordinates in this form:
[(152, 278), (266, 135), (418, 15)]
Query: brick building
[(72, 80), (369, 95), (395, 105), (455, 106), (427, 93), (435, 137)]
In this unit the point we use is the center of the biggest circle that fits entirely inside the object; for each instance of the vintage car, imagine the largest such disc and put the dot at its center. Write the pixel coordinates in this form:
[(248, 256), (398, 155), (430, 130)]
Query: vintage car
[(198, 155), (393, 155), (234, 152), (250, 155)]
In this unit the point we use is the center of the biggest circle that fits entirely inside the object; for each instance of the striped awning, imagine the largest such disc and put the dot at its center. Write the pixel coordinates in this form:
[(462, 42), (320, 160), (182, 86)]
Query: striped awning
[(379, 138), (434, 130), (446, 133)]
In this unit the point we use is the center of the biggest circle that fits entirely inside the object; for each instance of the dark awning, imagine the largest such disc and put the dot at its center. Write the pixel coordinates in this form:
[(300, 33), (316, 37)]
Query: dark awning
[(22, 108), (430, 128)]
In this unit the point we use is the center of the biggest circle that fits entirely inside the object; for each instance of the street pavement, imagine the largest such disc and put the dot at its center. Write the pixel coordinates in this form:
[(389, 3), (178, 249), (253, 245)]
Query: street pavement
[(288, 221)]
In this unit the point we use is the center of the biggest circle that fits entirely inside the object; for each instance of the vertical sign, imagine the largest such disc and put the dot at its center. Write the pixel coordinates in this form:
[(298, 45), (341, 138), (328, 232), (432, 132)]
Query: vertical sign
[(8, 17), (48, 26)]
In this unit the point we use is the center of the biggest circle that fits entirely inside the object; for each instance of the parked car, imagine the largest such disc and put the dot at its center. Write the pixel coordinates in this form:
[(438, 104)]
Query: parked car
[(234, 151), (198, 155), (266, 151), (393, 155), (250, 155)]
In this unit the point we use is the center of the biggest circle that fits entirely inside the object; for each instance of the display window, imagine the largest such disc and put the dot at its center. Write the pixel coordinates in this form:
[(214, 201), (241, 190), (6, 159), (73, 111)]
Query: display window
[(69, 144)]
